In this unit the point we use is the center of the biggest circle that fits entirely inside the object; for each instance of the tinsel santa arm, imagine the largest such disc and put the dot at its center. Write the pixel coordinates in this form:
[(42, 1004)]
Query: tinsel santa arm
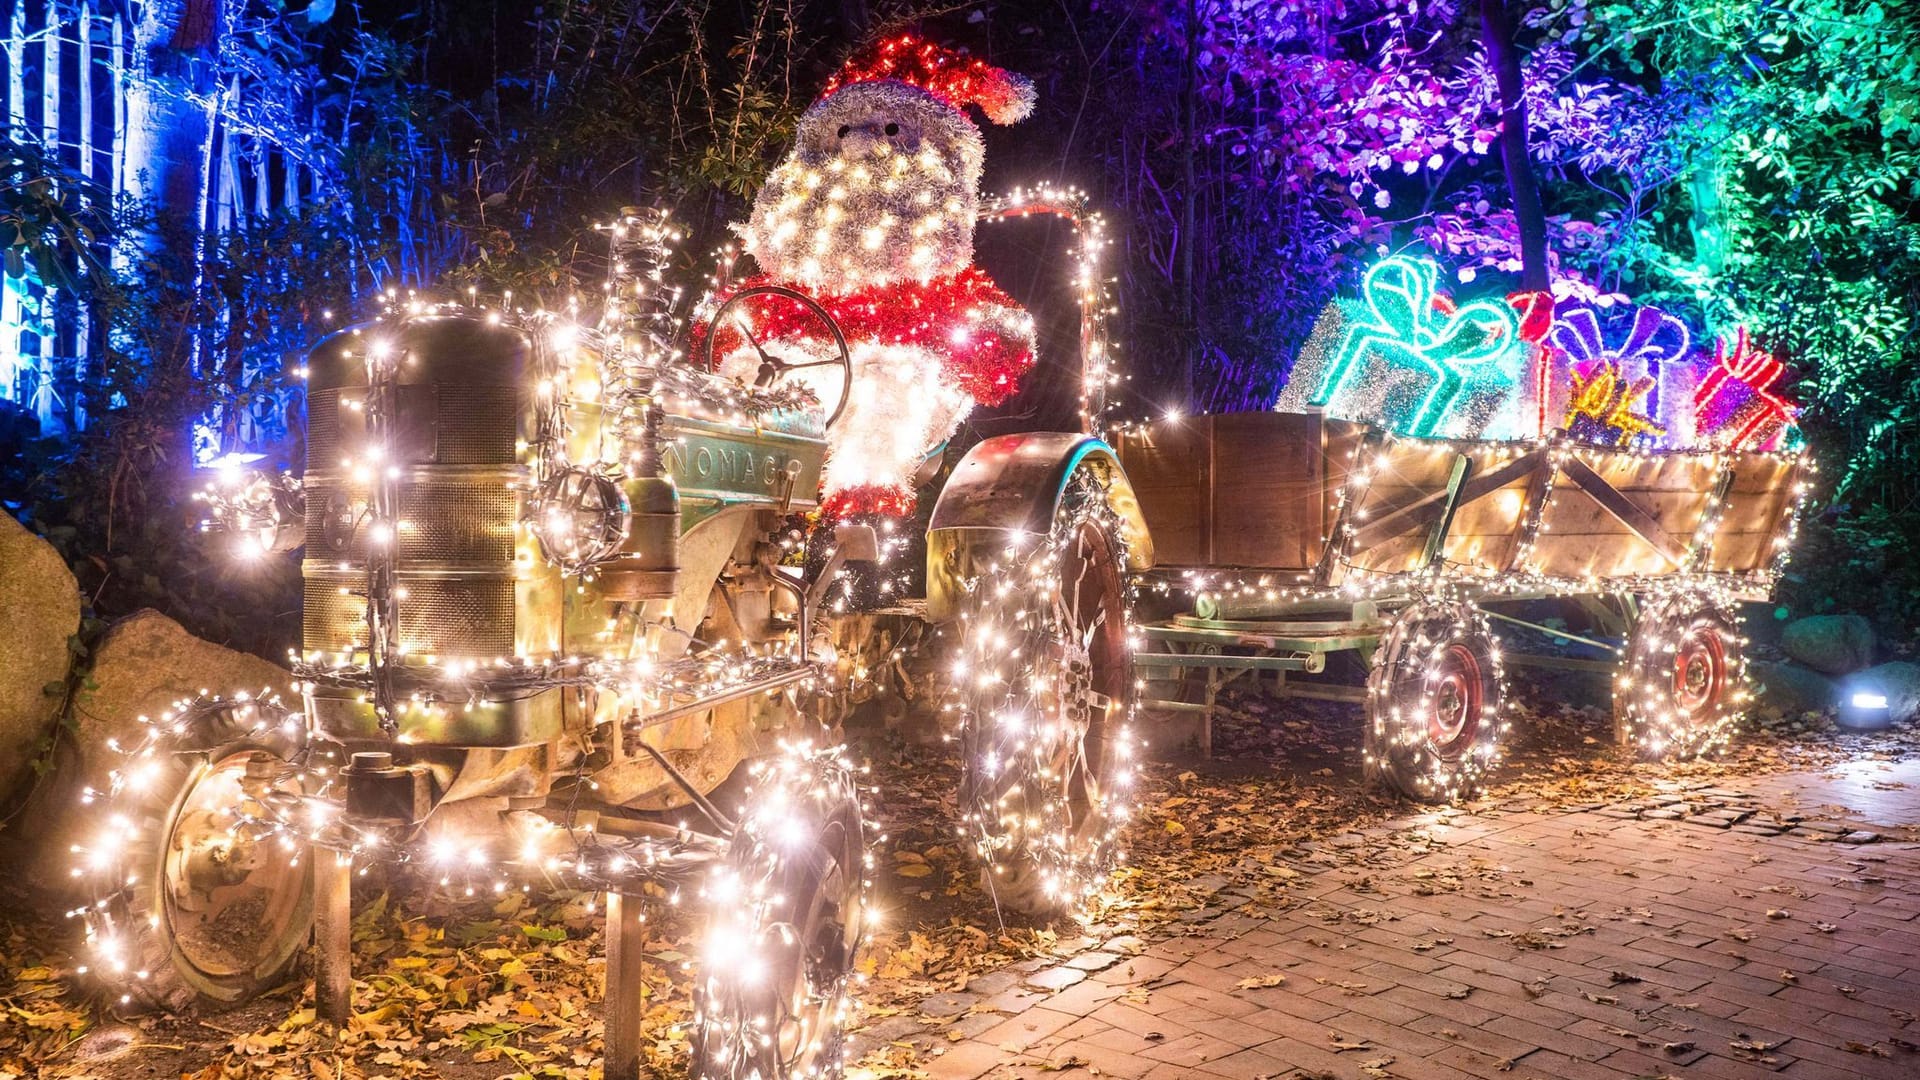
[(995, 343)]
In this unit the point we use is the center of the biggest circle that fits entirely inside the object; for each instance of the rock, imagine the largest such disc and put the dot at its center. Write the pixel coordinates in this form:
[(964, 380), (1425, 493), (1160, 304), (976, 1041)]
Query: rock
[(1833, 644), (1899, 680), (142, 665), (1789, 689), (39, 612)]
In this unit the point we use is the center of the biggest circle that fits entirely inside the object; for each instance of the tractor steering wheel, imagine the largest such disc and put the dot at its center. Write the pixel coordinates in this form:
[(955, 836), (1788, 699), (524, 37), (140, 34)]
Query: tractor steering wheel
[(773, 368)]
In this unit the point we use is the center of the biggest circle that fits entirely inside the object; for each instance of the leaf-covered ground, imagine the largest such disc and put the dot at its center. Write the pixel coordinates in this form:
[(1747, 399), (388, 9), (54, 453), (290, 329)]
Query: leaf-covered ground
[(458, 988)]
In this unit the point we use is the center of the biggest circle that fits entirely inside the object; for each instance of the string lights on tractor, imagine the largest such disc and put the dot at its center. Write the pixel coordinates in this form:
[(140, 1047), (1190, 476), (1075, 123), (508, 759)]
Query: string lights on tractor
[(604, 409), (297, 806), (1045, 706), (597, 387)]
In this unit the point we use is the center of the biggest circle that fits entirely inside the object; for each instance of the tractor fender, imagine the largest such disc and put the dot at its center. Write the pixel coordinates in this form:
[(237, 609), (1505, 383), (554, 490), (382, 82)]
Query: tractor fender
[(1012, 484)]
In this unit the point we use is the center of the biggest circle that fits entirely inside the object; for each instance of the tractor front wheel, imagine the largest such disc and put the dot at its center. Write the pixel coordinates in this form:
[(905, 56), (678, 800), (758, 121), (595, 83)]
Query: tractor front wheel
[(787, 913), (202, 894)]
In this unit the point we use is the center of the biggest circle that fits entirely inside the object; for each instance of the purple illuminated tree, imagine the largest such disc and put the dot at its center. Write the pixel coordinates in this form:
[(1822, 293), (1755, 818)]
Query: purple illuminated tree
[(1343, 130)]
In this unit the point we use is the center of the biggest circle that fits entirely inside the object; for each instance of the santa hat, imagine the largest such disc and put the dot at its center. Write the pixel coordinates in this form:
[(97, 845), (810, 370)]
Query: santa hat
[(952, 76)]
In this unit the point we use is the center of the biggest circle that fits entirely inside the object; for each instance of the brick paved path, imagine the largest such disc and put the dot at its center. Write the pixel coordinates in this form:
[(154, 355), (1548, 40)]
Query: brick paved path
[(1550, 944)]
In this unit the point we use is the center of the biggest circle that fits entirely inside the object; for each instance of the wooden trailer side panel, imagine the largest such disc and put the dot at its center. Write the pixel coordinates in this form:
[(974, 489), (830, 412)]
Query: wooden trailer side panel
[(1239, 490), (1397, 512), (1757, 509), (1170, 465), (1485, 534), (1615, 514)]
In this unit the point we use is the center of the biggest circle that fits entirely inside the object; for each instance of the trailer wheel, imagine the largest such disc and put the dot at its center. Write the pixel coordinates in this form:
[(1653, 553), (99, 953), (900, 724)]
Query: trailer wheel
[(201, 899), (1044, 689), (1682, 682), (787, 915), (1434, 699)]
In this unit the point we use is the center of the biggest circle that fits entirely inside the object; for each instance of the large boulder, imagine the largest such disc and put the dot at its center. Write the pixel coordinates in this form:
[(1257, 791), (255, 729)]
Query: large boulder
[(1789, 689), (1834, 644), (142, 665), (39, 613), (1898, 680)]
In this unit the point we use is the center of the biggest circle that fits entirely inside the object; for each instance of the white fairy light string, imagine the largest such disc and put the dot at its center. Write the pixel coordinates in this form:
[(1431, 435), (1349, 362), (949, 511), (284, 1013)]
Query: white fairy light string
[(1043, 810), (624, 366)]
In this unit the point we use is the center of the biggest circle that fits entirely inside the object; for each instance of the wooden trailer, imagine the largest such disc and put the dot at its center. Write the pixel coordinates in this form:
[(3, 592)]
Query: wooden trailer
[(1291, 536)]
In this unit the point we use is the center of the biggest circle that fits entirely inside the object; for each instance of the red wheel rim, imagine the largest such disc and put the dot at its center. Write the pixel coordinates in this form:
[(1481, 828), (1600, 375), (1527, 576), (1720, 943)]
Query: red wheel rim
[(1457, 699), (1699, 671)]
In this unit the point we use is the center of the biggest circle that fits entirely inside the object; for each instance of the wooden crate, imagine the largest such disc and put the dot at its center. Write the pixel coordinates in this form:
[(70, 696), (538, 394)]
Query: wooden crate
[(1239, 490)]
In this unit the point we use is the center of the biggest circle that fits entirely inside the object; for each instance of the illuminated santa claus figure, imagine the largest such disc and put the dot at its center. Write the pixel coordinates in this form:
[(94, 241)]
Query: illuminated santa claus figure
[(872, 214)]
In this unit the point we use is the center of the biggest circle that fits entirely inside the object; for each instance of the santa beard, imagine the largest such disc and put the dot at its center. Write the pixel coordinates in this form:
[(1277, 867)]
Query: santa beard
[(901, 407)]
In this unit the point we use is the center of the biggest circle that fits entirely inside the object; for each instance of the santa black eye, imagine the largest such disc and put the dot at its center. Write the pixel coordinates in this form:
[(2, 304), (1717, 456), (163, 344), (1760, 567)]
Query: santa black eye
[(892, 130), (842, 133)]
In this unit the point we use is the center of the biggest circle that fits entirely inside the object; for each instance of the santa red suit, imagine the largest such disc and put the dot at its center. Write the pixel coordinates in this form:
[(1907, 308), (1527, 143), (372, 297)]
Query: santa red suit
[(872, 214)]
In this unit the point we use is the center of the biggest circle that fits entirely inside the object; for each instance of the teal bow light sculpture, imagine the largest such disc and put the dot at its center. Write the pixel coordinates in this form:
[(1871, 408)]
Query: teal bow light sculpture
[(1403, 319)]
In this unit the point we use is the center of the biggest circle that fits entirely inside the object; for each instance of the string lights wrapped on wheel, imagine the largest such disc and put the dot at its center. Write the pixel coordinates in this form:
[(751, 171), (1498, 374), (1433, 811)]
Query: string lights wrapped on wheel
[(1434, 697), (1045, 693), (1682, 679), (789, 912), (200, 887)]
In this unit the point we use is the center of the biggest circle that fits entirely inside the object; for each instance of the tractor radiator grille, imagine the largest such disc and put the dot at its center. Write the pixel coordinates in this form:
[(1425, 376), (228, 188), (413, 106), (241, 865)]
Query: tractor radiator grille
[(323, 429), (465, 615), (477, 425), (457, 523)]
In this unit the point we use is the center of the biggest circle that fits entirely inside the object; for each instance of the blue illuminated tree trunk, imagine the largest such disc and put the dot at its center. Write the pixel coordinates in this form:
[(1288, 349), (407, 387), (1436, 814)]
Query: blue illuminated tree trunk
[(170, 88)]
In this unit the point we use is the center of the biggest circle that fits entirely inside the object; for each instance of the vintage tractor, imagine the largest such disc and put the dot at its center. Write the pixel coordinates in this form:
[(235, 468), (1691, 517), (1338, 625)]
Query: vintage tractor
[(554, 630)]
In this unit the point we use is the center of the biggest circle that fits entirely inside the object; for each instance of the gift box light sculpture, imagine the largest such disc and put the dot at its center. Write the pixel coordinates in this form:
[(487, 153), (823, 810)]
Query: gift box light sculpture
[(1647, 369), (1735, 405), (1417, 363)]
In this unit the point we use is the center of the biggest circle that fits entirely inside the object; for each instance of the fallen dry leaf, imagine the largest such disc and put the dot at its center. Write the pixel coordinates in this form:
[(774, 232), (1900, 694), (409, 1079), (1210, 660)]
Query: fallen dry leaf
[(1261, 982)]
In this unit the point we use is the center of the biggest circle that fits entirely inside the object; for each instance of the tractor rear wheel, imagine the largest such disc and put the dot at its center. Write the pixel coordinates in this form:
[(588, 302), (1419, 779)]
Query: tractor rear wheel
[(1045, 690)]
